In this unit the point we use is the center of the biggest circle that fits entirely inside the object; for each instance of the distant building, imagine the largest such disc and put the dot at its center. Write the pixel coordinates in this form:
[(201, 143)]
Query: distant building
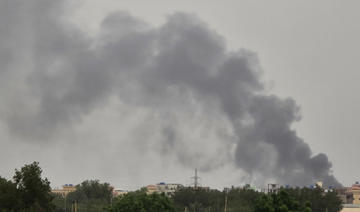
[(350, 197), (353, 194), (319, 184), (66, 189), (272, 188), (150, 189), (119, 192), (167, 189)]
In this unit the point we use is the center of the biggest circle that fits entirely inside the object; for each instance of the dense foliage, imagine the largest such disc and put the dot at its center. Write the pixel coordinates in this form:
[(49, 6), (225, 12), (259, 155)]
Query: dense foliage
[(90, 195), (281, 202), (139, 201), (27, 192), (9, 195), (247, 200), (198, 200), (320, 201)]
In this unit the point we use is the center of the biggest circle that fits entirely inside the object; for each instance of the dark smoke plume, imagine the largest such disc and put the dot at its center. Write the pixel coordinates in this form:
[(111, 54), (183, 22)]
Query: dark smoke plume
[(181, 72)]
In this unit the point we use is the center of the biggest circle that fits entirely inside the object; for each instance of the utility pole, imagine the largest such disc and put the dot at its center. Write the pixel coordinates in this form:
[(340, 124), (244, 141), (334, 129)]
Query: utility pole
[(225, 207), (196, 179)]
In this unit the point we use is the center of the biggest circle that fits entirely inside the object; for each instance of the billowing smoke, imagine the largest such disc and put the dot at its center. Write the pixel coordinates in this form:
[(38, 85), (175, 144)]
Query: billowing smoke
[(208, 105)]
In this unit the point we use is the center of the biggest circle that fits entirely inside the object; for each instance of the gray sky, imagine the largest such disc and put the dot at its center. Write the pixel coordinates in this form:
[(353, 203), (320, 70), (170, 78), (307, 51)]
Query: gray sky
[(306, 51)]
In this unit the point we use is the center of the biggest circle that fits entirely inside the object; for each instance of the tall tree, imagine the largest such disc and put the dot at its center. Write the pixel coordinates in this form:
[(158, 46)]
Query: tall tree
[(9, 195), (35, 192), (91, 195)]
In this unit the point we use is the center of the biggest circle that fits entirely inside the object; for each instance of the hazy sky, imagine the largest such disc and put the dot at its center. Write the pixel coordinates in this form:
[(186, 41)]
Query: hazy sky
[(307, 51)]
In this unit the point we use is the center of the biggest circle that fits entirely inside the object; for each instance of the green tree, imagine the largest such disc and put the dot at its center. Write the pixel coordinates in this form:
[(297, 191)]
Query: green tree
[(242, 199), (264, 204), (35, 192), (139, 201), (281, 202), (316, 199), (59, 203), (9, 196), (91, 195), (199, 199), (332, 202)]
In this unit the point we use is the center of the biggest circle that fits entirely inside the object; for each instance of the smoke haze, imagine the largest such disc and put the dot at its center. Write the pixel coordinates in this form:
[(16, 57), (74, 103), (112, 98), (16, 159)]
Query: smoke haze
[(173, 92)]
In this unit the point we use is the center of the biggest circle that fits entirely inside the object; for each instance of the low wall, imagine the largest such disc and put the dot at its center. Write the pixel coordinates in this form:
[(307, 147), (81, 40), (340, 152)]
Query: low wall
[(350, 210)]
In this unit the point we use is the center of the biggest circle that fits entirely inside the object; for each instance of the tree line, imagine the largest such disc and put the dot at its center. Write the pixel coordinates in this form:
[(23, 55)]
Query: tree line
[(27, 191)]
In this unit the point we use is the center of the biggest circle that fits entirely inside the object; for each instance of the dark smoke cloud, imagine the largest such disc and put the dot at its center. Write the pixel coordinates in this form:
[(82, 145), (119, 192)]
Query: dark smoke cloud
[(180, 71)]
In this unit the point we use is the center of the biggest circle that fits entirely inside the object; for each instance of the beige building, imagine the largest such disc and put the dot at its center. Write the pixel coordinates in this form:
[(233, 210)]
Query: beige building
[(119, 192), (165, 188), (150, 189), (355, 192), (350, 195), (66, 189)]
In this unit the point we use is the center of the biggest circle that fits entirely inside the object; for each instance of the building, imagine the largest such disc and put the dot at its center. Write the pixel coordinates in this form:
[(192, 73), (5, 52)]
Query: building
[(319, 184), (119, 192), (272, 188), (167, 189), (350, 195), (66, 189), (150, 189)]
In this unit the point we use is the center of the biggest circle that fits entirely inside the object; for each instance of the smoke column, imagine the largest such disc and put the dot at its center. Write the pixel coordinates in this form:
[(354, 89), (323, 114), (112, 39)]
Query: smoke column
[(53, 75)]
